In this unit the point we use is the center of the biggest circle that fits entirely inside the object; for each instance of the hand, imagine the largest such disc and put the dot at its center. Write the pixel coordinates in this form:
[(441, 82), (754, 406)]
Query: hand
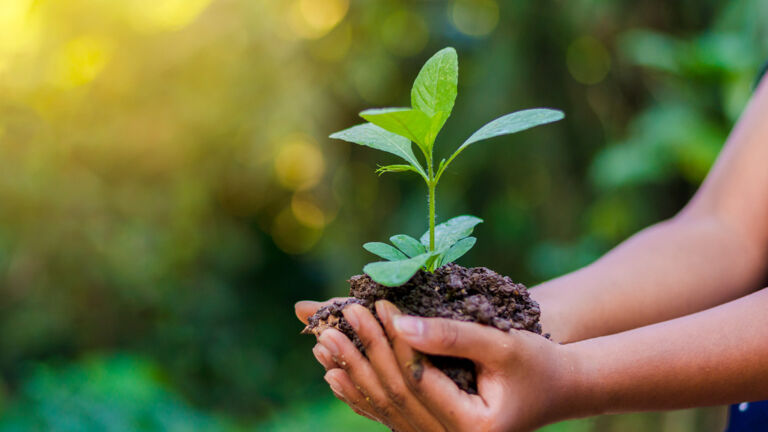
[(334, 376), (524, 380)]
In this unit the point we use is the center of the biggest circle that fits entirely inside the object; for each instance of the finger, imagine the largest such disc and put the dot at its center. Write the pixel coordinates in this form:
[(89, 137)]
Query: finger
[(324, 357), (306, 308), (442, 398), (446, 401), (439, 336), (384, 365), (349, 358), (344, 389)]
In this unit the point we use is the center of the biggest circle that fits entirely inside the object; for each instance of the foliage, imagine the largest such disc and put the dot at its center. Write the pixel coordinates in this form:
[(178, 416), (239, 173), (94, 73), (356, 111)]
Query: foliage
[(110, 394), (393, 129)]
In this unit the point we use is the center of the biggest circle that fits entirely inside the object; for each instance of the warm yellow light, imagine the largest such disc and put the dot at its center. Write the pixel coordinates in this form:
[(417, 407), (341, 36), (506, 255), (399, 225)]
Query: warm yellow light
[(163, 15), (307, 212), (299, 164), (19, 29), (291, 236), (82, 59), (312, 19), (335, 45), (588, 60), (475, 17)]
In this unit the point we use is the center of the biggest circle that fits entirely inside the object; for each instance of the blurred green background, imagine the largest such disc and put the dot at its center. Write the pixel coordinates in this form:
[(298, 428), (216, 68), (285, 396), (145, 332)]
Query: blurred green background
[(167, 190)]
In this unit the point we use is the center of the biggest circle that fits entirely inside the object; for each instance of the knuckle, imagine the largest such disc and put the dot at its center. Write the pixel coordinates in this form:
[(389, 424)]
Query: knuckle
[(383, 409), (367, 343), (447, 335), (396, 395)]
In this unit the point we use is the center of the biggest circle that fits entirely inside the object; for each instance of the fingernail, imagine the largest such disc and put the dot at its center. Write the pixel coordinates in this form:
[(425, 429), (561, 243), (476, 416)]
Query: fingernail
[(383, 311), (408, 326), (329, 344), (321, 354), (334, 385), (352, 316)]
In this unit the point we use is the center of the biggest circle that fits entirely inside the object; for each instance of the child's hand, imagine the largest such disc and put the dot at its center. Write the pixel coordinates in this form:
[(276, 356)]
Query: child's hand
[(524, 380)]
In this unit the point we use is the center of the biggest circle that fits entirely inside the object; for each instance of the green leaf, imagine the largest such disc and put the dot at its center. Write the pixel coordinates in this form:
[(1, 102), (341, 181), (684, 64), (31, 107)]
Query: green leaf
[(408, 244), (395, 168), (458, 250), (370, 135), (513, 123), (385, 251), (434, 261), (434, 90), (396, 273), (406, 122), (451, 231)]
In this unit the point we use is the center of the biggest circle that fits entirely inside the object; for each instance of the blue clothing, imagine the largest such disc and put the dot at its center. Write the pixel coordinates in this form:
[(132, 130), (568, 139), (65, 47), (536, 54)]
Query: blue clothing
[(749, 416)]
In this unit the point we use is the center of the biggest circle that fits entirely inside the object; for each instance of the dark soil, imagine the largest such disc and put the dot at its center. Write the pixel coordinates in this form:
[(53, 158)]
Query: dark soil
[(452, 291)]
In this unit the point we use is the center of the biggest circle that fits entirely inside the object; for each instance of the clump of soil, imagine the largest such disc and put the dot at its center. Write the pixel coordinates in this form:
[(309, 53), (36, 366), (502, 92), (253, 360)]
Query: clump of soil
[(452, 291)]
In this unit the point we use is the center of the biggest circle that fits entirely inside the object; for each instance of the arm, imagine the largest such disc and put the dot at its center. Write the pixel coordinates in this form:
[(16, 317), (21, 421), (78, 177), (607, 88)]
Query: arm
[(714, 251), (708, 358), (525, 381)]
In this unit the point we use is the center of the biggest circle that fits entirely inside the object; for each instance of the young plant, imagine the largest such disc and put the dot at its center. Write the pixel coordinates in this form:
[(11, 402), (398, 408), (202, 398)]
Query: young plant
[(393, 130)]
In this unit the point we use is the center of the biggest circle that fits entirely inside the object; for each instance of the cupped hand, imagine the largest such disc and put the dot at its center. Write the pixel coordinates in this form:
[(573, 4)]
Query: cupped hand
[(524, 380), (335, 376)]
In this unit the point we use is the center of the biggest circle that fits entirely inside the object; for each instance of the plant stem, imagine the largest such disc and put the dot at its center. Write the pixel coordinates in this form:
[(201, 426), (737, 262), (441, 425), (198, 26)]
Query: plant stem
[(432, 186)]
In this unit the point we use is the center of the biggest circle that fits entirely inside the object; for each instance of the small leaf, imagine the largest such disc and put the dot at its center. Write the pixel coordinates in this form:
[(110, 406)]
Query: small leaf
[(451, 231), (406, 122), (458, 250), (385, 251), (396, 273), (408, 244), (434, 90), (370, 135), (513, 123), (434, 261), (395, 168)]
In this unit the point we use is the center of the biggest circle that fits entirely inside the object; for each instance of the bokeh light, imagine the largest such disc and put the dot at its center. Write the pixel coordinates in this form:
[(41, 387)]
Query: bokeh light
[(312, 19), (82, 59), (588, 60), (299, 164), (475, 17), (19, 30), (307, 211), (164, 15), (293, 236)]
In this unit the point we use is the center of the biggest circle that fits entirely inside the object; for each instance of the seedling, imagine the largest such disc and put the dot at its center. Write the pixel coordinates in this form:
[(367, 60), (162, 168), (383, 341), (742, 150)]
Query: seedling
[(393, 130)]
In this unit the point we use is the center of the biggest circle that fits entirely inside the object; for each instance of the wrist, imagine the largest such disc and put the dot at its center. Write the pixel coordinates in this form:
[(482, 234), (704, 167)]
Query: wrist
[(581, 394), (553, 315)]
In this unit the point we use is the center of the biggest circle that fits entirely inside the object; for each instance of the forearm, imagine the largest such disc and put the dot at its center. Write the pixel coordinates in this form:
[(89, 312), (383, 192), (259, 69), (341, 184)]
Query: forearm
[(714, 251), (709, 358), (669, 270)]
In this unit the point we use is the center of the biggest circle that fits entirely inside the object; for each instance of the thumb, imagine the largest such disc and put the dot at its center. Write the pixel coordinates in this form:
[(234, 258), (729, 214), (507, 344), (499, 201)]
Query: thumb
[(306, 308), (453, 338)]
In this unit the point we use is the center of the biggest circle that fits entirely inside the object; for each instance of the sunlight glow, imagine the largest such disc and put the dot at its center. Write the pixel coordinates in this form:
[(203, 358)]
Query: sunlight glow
[(299, 164), (164, 15), (312, 19)]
